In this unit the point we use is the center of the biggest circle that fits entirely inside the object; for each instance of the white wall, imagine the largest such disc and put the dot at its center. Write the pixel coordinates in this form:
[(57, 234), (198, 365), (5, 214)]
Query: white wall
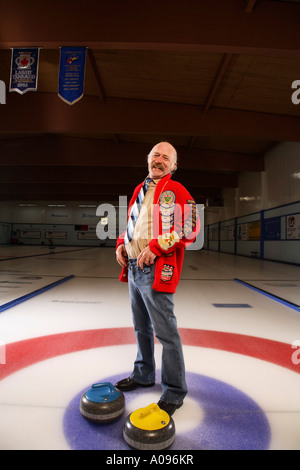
[(42, 213), (282, 166), (263, 206), (279, 184), (71, 223)]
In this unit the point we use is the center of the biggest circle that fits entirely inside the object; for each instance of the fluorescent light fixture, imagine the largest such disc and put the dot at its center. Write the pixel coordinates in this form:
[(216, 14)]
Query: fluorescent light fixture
[(28, 205), (247, 198)]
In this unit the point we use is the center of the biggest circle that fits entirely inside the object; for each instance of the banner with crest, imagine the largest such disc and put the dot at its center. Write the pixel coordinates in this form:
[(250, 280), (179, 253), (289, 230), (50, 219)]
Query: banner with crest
[(71, 74), (24, 69)]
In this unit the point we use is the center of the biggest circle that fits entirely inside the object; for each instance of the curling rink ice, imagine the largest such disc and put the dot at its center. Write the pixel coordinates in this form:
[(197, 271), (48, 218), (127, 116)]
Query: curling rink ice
[(65, 323)]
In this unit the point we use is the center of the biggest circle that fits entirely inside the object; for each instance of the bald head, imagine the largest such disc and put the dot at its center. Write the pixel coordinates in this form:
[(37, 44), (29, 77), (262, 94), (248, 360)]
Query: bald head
[(162, 160)]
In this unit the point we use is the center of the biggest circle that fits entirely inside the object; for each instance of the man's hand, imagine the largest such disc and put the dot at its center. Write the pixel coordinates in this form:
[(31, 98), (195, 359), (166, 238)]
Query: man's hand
[(121, 255), (146, 257)]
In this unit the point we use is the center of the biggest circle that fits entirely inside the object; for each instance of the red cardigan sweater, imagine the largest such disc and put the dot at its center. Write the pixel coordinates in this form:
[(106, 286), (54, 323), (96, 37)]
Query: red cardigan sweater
[(176, 224)]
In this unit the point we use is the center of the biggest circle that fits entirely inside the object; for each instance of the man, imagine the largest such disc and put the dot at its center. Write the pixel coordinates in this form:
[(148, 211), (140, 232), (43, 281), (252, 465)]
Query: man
[(162, 221)]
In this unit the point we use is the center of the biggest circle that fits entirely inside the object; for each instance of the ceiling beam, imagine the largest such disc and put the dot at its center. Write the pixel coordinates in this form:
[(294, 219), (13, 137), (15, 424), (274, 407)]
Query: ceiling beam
[(217, 81), (214, 26), (215, 160), (85, 192), (96, 76), (46, 113), (98, 177), (250, 5), (60, 151)]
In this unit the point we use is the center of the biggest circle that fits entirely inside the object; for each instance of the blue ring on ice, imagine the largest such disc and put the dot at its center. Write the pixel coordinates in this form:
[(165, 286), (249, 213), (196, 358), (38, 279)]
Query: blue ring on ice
[(232, 420)]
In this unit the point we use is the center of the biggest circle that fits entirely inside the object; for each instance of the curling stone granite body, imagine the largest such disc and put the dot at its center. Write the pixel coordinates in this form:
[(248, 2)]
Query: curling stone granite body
[(149, 428), (102, 403)]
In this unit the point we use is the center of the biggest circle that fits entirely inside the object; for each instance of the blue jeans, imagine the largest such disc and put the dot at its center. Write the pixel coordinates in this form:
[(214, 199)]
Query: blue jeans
[(150, 307)]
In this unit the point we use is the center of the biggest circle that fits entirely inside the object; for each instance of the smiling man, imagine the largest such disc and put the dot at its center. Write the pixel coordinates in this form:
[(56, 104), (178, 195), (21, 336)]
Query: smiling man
[(162, 221)]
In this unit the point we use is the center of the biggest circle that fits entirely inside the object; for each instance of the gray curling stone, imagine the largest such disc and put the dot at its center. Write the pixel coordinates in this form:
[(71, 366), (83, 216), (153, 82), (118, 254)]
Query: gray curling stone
[(102, 403), (149, 428)]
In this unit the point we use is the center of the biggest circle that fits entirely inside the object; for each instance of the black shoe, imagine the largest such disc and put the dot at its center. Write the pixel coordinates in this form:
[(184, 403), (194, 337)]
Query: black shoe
[(170, 408), (126, 385)]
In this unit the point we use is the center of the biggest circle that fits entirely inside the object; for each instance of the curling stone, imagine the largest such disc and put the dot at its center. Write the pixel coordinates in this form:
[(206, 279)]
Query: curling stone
[(102, 403), (149, 428)]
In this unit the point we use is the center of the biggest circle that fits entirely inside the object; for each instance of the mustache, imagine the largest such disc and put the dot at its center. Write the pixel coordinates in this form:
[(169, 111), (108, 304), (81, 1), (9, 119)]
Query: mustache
[(157, 165)]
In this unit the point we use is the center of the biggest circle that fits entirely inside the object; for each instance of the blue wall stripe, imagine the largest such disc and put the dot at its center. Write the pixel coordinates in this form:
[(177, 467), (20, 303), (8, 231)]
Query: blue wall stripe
[(19, 300), (267, 294)]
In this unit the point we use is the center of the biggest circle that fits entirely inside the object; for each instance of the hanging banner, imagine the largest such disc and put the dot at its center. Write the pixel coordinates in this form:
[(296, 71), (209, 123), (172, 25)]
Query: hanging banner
[(24, 69), (71, 73)]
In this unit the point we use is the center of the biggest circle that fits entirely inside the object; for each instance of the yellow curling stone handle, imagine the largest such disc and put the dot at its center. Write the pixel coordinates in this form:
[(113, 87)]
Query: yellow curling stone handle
[(150, 418)]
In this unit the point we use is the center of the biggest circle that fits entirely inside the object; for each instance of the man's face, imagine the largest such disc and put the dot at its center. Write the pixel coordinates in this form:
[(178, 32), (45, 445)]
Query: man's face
[(161, 160)]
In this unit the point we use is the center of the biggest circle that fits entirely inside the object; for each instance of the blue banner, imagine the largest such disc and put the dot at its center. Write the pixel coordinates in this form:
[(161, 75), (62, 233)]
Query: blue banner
[(24, 69), (71, 74), (272, 228)]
